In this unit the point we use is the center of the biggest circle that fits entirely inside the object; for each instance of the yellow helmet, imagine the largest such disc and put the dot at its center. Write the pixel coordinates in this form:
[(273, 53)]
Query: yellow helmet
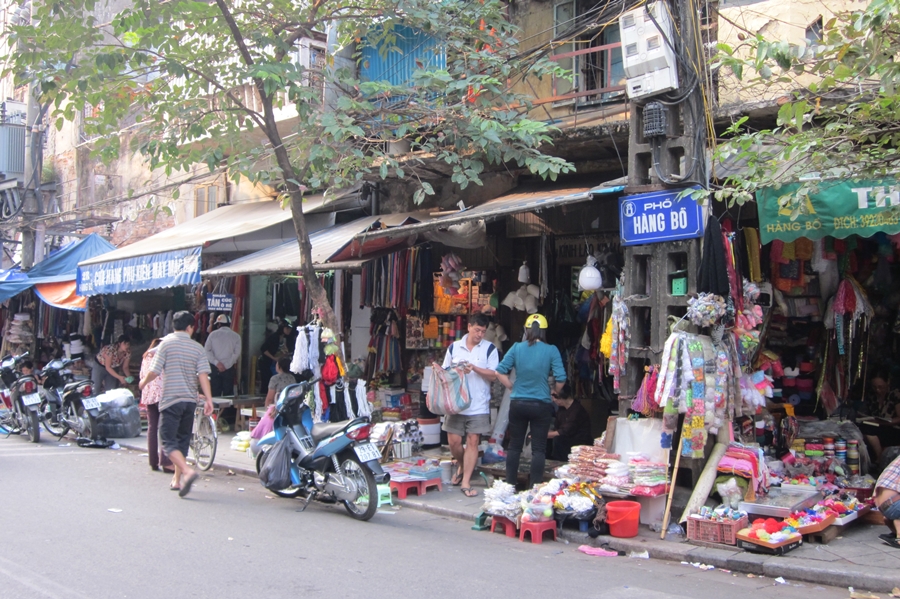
[(536, 318)]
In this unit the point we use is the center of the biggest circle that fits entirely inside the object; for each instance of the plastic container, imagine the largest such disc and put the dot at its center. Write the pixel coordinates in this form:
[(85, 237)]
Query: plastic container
[(709, 531), (623, 518)]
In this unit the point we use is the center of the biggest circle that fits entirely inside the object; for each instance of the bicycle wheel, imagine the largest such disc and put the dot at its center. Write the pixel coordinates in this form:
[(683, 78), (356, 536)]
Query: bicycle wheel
[(204, 443)]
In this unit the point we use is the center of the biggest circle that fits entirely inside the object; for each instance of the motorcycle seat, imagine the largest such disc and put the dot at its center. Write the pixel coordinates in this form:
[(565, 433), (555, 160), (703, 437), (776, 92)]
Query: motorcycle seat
[(322, 430), (70, 386)]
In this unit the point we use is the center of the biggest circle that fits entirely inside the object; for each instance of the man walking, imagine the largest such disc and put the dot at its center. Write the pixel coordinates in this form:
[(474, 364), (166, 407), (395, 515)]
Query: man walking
[(184, 363), (223, 348), (480, 359)]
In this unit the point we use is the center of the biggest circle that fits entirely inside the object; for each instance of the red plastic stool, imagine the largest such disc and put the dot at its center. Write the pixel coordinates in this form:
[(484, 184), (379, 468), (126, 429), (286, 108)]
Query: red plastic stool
[(403, 487), (508, 526), (537, 530), (427, 484)]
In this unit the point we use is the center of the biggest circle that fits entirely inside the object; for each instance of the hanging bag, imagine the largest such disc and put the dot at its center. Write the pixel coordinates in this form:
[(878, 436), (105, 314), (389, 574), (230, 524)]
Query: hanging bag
[(275, 473), (448, 392)]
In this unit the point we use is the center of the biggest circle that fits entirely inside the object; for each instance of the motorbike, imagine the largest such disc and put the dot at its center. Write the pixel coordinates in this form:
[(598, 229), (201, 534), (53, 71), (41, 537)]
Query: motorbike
[(330, 462), (66, 404), (21, 399)]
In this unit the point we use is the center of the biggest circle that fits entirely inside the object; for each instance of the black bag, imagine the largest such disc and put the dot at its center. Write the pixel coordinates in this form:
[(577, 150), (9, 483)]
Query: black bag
[(275, 473)]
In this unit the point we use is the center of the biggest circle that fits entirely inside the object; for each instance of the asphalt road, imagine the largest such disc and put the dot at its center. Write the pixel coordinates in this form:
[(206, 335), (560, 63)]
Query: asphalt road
[(93, 524)]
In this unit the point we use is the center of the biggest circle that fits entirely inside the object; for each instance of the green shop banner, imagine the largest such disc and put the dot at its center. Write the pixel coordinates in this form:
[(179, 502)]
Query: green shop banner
[(836, 208)]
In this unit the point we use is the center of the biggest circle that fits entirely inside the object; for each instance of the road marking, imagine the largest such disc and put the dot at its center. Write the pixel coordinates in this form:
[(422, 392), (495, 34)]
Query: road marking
[(25, 577)]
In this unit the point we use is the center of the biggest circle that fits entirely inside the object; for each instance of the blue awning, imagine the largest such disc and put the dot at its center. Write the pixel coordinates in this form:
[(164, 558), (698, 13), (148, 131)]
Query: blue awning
[(59, 266), (154, 271)]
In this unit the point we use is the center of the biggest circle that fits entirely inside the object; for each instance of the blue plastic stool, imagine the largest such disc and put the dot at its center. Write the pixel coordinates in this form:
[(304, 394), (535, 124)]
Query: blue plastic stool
[(384, 495)]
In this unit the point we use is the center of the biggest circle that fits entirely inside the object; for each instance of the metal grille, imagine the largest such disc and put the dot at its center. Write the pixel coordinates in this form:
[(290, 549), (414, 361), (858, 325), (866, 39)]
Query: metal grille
[(654, 120)]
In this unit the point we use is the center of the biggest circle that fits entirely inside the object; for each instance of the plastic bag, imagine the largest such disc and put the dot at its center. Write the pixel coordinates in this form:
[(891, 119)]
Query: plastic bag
[(275, 473), (448, 391), (265, 426)]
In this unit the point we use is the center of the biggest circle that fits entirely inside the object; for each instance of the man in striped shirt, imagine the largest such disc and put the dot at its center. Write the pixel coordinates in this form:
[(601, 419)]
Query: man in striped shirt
[(184, 363)]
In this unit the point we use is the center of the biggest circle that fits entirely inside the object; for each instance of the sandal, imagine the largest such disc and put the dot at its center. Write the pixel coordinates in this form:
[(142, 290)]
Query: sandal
[(173, 487), (469, 492), (457, 479), (892, 542)]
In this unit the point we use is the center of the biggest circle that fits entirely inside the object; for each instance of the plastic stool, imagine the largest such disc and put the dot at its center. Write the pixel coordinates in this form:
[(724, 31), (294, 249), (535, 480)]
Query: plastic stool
[(537, 530), (403, 487), (427, 484), (384, 495), (508, 526)]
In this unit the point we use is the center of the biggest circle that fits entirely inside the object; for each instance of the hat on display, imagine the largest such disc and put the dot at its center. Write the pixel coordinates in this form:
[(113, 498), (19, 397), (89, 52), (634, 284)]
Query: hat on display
[(222, 319), (531, 304), (589, 278), (536, 318)]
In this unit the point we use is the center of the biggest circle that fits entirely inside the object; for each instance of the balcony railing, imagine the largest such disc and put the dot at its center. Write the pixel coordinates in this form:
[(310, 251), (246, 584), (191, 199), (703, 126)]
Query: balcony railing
[(605, 88)]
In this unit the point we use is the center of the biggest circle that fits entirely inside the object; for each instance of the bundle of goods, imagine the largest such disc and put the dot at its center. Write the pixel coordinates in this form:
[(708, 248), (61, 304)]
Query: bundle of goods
[(771, 531), (537, 504), (501, 500), (590, 462), (746, 462), (649, 478), (241, 441)]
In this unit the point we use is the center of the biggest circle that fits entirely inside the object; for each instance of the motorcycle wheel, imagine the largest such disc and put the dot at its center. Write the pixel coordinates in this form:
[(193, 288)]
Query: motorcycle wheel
[(290, 492), (366, 503), (32, 425), (51, 422)]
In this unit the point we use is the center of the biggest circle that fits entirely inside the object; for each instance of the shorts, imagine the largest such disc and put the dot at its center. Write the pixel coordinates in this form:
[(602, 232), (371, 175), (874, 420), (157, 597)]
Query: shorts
[(892, 512), (458, 424), (176, 424)]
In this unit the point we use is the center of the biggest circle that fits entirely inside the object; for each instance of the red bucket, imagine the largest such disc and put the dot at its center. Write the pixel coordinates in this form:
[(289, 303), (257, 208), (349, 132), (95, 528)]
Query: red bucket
[(623, 518)]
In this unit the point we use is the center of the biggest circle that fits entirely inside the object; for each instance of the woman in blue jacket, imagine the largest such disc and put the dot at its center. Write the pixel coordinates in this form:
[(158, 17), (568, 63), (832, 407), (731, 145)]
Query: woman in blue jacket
[(534, 360)]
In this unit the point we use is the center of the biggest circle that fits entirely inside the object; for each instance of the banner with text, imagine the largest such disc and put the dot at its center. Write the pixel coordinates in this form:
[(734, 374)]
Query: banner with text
[(837, 208), (155, 271)]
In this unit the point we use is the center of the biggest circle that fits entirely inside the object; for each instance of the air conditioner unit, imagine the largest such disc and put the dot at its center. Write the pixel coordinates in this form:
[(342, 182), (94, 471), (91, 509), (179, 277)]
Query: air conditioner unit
[(647, 54)]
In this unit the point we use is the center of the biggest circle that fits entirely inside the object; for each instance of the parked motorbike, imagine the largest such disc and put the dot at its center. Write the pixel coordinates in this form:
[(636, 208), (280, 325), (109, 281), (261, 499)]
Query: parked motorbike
[(21, 399), (66, 404), (328, 461)]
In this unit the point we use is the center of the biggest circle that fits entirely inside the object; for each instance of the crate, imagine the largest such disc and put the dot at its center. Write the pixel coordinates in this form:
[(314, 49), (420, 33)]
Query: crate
[(768, 549), (708, 531)]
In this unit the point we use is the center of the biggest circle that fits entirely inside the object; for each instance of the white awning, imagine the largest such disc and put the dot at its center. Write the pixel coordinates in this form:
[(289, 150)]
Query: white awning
[(522, 201), (332, 248)]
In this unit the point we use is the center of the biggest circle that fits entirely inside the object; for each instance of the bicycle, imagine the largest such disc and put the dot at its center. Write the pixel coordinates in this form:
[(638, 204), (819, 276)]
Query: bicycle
[(204, 439)]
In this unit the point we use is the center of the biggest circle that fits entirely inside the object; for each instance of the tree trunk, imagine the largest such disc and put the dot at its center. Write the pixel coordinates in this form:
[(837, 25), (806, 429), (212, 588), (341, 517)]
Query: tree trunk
[(704, 484)]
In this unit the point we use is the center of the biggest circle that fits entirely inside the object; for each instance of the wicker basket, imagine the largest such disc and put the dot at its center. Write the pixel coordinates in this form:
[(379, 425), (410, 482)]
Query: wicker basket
[(715, 532)]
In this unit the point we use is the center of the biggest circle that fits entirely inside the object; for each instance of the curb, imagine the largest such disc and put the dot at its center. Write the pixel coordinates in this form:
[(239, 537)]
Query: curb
[(215, 467), (801, 570)]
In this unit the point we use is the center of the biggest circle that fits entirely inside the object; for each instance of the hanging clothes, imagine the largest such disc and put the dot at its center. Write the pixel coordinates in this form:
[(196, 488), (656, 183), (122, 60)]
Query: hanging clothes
[(713, 269)]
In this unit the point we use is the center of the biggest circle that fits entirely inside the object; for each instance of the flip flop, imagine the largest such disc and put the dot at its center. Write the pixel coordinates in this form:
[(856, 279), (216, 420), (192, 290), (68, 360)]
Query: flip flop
[(457, 479), (888, 536), (469, 492), (173, 487), (892, 542), (186, 485)]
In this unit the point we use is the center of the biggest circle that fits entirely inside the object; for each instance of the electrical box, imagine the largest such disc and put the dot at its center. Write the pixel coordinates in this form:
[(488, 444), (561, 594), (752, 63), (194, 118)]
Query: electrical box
[(647, 53)]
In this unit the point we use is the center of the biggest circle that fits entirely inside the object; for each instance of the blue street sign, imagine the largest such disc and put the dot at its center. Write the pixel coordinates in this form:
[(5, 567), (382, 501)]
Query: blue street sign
[(220, 302), (659, 216)]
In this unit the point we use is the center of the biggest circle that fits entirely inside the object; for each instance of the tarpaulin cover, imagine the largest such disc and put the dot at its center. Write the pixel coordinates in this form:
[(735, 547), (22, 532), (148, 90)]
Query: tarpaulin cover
[(61, 295), (57, 267)]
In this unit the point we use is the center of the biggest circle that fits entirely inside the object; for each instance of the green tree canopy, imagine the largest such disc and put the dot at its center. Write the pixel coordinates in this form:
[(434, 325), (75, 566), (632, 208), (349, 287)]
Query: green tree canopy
[(841, 116), (176, 74)]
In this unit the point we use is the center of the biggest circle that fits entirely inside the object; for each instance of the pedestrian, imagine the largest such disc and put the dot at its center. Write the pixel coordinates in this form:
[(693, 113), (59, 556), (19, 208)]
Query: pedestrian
[(223, 348), (274, 347), (572, 424), (150, 396), (479, 358), (887, 500), (183, 364), (105, 375), (534, 360), (282, 379)]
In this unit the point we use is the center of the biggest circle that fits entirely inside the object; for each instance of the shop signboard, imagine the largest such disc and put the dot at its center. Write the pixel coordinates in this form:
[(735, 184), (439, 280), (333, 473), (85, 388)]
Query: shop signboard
[(156, 271), (220, 302), (836, 208), (659, 216)]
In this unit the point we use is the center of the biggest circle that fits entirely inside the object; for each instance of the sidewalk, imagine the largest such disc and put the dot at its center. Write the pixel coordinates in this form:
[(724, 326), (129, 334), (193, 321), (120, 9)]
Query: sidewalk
[(856, 559)]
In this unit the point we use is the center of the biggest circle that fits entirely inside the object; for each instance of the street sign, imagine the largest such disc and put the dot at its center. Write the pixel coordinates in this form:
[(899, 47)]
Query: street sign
[(659, 216), (220, 302)]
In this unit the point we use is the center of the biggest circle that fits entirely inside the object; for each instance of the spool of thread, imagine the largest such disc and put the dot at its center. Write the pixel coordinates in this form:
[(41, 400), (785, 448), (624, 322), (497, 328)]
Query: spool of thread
[(840, 445), (828, 440)]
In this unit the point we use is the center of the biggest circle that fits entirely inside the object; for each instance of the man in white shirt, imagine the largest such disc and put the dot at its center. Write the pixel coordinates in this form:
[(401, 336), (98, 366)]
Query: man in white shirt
[(480, 359), (223, 348)]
